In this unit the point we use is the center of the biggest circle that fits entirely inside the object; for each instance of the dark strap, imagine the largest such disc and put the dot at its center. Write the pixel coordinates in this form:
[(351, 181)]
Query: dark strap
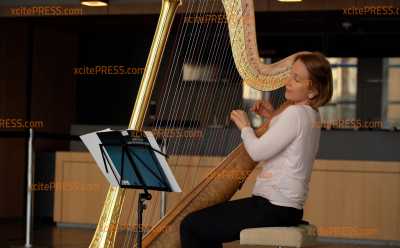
[(304, 222)]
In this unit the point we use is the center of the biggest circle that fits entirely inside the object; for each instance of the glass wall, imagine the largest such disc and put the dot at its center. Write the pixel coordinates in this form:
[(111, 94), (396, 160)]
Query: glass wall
[(342, 106), (343, 103), (391, 99), (250, 96)]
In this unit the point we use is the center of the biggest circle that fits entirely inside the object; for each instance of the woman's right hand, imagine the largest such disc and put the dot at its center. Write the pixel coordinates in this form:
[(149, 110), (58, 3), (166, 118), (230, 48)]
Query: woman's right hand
[(263, 108)]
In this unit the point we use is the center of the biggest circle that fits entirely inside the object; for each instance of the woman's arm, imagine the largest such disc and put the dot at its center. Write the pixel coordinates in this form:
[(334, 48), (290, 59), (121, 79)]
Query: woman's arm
[(278, 136)]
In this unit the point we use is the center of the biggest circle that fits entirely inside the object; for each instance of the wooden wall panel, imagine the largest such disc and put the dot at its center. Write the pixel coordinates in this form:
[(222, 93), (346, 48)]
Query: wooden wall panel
[(348, 199), (53, 91), (36, 84), (13, 79)]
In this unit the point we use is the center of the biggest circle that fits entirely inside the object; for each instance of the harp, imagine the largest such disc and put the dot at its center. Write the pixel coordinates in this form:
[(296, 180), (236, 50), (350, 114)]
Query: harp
[(241, 35)]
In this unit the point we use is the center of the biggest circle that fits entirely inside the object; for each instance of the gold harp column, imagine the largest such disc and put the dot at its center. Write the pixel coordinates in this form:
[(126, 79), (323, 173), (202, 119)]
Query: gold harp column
[(107, 226)]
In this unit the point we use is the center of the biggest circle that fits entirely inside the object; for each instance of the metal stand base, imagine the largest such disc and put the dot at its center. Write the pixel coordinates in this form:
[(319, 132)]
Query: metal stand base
[(141, 207)]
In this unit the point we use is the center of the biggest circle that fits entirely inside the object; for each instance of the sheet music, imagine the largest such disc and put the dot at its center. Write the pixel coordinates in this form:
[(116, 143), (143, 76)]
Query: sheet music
[(167, 170), (159, 169), (92, 142)]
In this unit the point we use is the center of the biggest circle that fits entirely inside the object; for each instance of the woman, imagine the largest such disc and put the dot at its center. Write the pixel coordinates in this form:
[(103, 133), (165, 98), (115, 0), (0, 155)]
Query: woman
[(286, 152)]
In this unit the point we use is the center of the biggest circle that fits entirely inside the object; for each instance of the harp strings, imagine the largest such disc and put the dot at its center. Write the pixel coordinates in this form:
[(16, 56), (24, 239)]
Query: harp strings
[(129, 236), (194, 99), (203, 90), (192, 96), (212, 93), (219, 88), (212, 99), (173, 80), (207, 91)]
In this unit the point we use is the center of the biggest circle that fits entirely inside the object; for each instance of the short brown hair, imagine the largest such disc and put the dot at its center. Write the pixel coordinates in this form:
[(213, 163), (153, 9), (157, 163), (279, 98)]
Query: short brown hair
[(320, 72)]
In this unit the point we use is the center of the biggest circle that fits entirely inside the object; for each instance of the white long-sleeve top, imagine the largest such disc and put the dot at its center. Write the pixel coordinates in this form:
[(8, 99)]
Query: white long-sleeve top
[(286, 153)]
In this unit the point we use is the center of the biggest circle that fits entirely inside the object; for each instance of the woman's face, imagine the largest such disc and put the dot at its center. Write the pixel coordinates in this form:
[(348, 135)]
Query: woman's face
[(297, 84)]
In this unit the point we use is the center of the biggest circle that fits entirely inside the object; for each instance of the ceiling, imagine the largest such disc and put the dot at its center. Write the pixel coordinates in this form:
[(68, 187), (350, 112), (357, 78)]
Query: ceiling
[(117, 7)]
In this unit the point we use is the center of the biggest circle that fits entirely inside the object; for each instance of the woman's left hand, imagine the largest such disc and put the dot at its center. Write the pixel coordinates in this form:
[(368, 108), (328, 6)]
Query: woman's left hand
[(239, 117)]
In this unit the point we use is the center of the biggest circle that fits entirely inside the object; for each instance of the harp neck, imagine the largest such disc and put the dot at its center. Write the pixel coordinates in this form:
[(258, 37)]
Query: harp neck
[(242, 34)]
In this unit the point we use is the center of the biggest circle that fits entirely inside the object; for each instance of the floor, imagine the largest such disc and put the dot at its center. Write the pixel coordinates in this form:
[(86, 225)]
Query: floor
[(48, 235)]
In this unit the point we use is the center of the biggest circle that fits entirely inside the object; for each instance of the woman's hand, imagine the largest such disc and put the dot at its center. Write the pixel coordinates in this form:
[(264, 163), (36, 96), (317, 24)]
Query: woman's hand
[(239, 117), (263, 108)]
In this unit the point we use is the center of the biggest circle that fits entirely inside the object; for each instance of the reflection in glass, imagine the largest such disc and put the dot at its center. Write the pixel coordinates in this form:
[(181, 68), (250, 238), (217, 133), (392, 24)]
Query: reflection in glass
[(392, 111), (343, 103)]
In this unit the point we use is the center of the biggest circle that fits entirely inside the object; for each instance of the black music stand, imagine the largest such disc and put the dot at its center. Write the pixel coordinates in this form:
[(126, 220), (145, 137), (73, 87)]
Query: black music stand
[(132, 160)]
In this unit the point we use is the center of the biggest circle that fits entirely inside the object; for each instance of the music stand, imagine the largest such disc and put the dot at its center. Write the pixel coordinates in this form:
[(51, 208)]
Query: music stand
[(135, 163)]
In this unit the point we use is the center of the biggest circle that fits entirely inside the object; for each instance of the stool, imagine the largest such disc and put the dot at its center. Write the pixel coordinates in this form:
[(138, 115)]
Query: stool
[(293, 236)]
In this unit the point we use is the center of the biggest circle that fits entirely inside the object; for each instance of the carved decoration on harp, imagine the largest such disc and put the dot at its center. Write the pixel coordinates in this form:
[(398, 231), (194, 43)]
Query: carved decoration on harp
[(242, 32)]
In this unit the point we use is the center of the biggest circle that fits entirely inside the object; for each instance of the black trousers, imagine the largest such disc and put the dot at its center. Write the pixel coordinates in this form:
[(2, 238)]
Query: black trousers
[(212, 226)]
